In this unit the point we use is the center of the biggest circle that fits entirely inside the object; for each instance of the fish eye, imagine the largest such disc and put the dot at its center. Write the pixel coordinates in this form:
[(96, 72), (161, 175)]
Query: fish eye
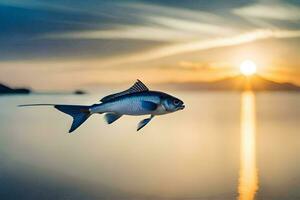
[(176, 102)]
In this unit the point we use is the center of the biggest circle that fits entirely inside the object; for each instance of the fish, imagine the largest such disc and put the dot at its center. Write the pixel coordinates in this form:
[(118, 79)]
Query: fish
[(137, 100)]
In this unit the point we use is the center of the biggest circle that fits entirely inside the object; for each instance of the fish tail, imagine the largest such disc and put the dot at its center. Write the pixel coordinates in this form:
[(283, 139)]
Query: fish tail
[(79, 113)]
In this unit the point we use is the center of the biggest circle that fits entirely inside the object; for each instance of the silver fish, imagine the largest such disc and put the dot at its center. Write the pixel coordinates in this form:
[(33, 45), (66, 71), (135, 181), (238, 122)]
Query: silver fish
[(137, 100)]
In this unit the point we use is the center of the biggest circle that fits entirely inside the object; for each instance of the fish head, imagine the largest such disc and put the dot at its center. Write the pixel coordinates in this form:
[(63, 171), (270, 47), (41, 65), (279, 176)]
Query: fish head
[(172, 104)]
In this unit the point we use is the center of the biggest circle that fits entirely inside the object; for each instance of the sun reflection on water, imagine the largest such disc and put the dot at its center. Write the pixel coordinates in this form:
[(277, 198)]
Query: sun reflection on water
[(248, 178)]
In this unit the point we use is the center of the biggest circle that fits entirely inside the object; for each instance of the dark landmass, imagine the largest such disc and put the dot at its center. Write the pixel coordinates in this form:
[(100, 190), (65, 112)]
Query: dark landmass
[(237, 83), (79, 92), (4, 89), (8, 90)]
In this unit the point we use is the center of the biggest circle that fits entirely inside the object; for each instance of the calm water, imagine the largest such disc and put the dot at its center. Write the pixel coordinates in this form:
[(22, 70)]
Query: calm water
[(222, 146)]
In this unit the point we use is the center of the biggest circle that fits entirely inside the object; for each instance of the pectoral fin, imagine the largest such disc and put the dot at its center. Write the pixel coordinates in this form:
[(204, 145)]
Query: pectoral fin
[(111, 117), (148, 105), (144, 122)]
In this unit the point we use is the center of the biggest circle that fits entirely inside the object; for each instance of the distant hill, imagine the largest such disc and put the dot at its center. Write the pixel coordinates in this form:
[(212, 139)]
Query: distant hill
[(4, 89), (8, 90), (237, 83)]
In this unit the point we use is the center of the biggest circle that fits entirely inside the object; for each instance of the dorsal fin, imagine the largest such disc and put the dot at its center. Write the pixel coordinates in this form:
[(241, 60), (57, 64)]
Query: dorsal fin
[(138, 86)]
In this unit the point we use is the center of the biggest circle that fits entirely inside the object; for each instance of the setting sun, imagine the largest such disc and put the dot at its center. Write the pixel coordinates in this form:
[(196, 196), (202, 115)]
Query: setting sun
[(248, 68)]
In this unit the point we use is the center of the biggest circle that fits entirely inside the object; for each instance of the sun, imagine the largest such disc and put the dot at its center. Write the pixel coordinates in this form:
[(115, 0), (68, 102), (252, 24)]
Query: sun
[(248, 68)]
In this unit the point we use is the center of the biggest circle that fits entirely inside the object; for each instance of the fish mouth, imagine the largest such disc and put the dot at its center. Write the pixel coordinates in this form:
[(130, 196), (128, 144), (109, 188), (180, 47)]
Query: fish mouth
[(181, 107)]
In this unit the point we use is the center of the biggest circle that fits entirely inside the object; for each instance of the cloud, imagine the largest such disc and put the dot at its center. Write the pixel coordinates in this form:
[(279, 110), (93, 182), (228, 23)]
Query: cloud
[(126, 32), (186, 30), (169, 30), (187, 47), (157, 23), (192, 26), (163, 51), (195, 66), (58, 6), (270, 10)]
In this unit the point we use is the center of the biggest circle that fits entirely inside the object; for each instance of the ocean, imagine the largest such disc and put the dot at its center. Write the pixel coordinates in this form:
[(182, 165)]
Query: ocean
[(223, 145)]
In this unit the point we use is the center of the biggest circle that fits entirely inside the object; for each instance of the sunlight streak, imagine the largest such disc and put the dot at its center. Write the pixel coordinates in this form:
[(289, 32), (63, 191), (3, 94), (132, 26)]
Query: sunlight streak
[(248, 180)]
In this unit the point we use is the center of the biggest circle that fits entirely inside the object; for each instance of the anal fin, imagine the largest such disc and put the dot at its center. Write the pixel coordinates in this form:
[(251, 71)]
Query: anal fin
[(111, 117)]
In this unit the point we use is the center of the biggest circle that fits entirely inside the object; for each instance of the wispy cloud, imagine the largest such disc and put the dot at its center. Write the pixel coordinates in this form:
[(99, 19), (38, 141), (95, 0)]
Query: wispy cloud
[(127, 32), (188, 31), (162, 29), (54, 6), (158, 23), (277, 10), (181, 48)]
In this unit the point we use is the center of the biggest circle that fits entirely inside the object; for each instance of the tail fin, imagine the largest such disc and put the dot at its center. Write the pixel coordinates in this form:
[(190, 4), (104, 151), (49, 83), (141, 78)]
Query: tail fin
[(79, 113)]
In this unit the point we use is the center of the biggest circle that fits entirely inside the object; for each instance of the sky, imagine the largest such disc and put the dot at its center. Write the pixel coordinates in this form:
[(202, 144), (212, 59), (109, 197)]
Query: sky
[(67, 44)]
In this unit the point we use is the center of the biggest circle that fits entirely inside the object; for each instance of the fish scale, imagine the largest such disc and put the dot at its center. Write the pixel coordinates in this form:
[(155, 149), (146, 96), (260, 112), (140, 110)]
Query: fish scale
[(128, 105)]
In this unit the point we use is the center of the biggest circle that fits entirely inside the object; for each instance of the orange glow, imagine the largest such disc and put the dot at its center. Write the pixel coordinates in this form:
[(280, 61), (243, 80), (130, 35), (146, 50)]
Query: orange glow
[(248, 181)]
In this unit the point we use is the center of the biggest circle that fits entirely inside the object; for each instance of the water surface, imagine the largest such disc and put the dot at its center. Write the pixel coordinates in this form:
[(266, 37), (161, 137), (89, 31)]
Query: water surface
[(222, 146)]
